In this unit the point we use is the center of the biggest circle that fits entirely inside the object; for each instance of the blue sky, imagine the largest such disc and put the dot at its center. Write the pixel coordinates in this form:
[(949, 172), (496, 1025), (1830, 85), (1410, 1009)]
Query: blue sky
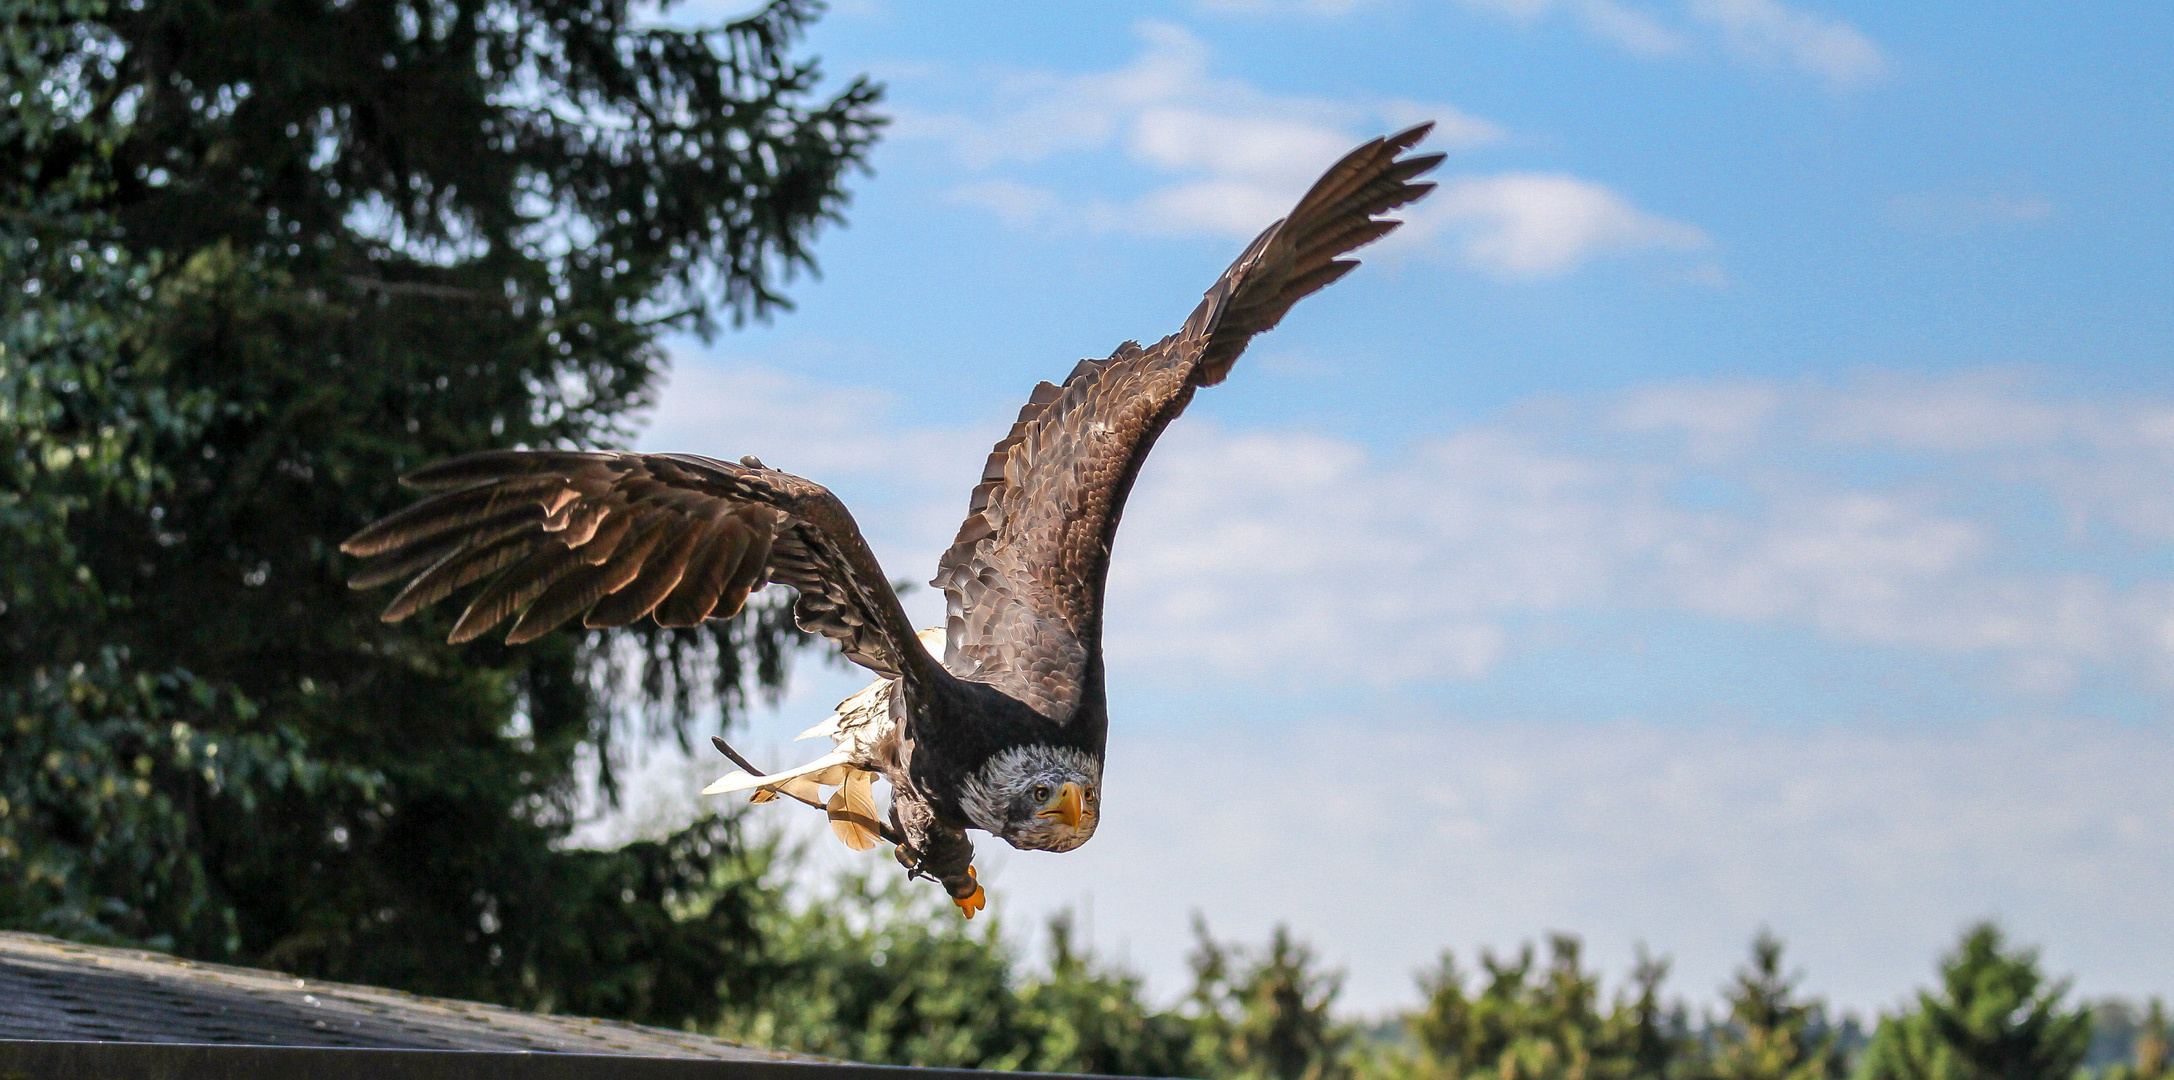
[(1740, 497)]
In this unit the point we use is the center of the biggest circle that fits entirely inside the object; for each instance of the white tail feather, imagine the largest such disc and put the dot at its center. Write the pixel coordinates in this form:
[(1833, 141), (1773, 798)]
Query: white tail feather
[(742, 780)]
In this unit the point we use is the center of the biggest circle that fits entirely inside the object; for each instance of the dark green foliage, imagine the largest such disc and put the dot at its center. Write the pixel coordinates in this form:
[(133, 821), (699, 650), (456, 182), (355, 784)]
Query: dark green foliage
[(1654, 1035), (1547, 1024), (1994, 1019), (890, 974), (1088, 1017), (665, 931), (1770, 1034), (122, 795), (886, 973), (120, 783), (262, 259), (1265, 1016)]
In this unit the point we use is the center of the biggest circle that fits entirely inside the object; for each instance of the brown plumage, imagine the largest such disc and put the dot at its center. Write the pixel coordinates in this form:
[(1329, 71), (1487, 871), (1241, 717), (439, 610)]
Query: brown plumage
[(1016, 704)]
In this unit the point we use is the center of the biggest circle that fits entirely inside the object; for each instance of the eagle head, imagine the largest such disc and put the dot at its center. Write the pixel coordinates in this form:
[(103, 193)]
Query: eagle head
[(1036, 797)]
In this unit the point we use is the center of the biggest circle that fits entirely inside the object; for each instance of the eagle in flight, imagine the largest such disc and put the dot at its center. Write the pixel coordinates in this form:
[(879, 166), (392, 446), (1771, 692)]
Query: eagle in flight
[(995, 722)]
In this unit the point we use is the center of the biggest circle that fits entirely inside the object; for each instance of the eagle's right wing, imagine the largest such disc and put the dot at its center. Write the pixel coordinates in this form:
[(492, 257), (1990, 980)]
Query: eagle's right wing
[(1024, 577), (613, 536)]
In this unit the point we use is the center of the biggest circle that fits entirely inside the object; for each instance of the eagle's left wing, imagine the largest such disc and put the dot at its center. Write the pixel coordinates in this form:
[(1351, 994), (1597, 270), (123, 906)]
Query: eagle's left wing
[(1024, 577)]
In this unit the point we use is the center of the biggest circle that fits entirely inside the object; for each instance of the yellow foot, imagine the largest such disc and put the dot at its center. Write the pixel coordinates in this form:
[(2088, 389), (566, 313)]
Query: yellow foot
[(973, 901)]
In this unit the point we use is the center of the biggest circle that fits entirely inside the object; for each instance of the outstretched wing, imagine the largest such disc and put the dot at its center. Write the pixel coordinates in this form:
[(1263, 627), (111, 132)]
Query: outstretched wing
[(613, 536), (1024, 577)]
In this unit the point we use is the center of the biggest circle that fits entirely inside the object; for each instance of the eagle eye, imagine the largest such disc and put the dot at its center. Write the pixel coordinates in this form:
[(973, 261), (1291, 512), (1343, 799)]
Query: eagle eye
[(1041, 793)]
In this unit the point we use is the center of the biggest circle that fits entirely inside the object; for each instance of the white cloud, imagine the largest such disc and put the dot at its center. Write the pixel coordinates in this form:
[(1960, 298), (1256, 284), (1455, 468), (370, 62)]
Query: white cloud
[(1627, 27), (1273, 7), (1630, 28), (1228, 158), (1968, 213), (730, 410), (1767, 31), (1166, 88), (1762, 33), (1719, 419), (1229, 207), (1532, 225), (1016, 204), (1266, 147), (1961, 415), (2108, 467), (1259, 554)]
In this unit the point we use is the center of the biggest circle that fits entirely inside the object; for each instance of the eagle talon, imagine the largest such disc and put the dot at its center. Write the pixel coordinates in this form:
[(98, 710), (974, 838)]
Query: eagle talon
[(973, 901)]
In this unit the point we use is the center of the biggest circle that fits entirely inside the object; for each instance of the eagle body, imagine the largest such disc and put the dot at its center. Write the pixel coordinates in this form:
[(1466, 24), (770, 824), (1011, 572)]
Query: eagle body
[(941, 784), (995, 722)]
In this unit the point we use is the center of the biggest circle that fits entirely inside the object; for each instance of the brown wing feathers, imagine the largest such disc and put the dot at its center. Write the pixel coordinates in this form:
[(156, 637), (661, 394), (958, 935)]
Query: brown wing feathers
[(613, 537), (1024, 574), (1298, 256), (1334, 217)]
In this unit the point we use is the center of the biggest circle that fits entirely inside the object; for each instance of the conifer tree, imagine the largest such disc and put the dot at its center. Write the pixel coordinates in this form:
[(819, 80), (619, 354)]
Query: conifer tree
[(1651, 1035), (263, 258), (875, 972), (1562, 1023), (882, 972), (1769, 1033), (1995, 1018), (1265, 1016), (1087, 1017), (1549, 1027), (1444, 1027)]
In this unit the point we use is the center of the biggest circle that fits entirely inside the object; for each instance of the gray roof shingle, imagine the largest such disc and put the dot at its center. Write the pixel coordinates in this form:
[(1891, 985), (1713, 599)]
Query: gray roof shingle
[(59, 990)]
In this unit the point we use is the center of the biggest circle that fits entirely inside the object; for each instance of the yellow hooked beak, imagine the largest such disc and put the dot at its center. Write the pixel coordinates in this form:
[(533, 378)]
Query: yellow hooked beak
[(1068, 805)]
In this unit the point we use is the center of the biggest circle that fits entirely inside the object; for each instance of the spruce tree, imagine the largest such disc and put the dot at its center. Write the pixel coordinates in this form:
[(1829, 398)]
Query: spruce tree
[(1087, 1016), (263, 258), (1770, 1034), (1444, 1027), (1265, 1015), (1649, 1036), (1545, 1024), (1996, 1018)]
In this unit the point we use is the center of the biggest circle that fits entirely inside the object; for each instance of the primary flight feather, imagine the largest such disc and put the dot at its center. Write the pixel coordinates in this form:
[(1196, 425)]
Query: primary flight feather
[(996, 722)]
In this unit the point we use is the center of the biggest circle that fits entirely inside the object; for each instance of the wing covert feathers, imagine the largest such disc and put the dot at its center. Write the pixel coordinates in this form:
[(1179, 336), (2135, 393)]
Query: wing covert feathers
[(1023, 578), (613, 537), (858, 719)]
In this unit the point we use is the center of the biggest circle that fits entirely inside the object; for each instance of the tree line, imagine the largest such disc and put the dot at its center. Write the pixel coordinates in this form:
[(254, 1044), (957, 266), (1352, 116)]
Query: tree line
[(884, 973), (259, 259)]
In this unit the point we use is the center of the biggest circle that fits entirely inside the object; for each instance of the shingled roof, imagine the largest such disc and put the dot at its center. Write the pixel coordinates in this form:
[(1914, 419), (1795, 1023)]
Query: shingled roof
[(58, 990)]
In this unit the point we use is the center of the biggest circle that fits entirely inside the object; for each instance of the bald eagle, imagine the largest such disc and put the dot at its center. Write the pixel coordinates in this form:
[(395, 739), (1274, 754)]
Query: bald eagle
[(995, 722)]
